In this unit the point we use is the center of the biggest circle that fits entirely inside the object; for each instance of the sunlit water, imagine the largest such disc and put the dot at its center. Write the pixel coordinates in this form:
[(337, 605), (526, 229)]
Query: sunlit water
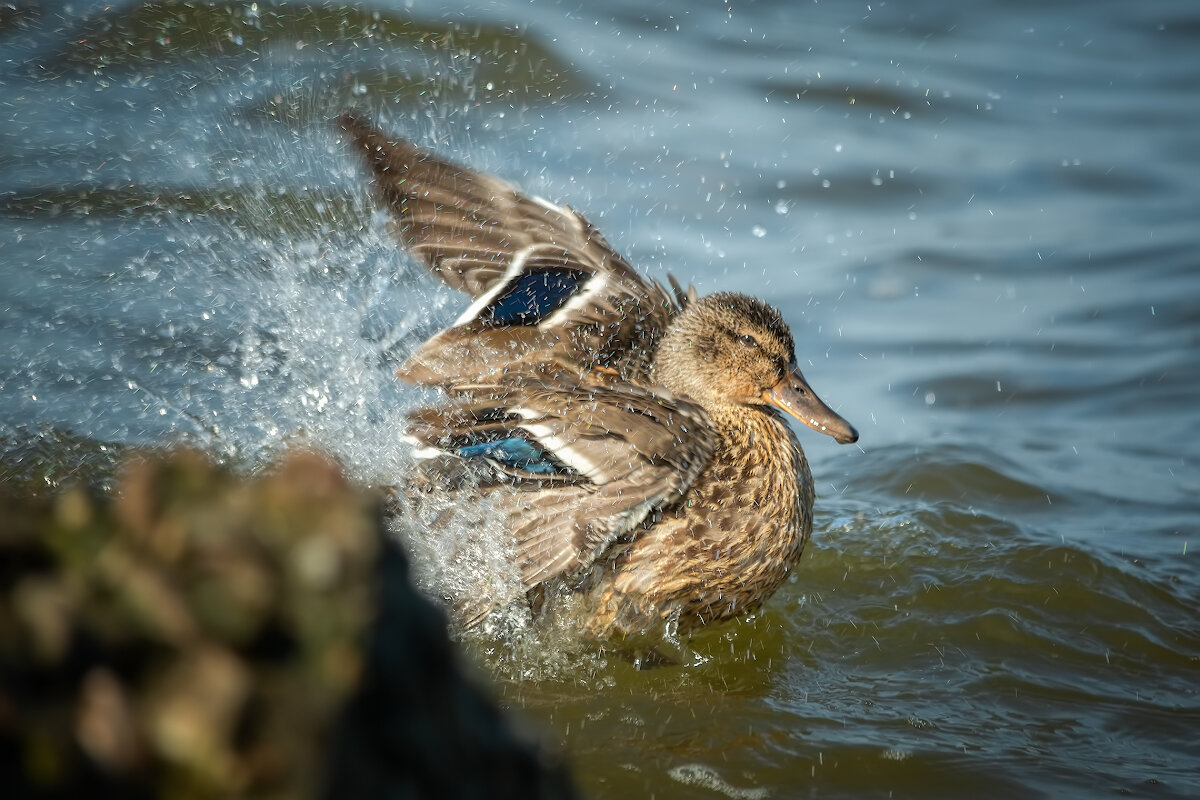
[(981, 219)]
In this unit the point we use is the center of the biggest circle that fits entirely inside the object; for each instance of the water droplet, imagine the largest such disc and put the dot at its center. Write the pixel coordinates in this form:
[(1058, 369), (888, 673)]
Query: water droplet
[(759, 231), (782, 207)]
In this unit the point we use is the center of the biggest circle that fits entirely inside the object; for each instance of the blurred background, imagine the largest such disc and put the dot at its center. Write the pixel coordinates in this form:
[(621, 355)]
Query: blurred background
[(980, 219)]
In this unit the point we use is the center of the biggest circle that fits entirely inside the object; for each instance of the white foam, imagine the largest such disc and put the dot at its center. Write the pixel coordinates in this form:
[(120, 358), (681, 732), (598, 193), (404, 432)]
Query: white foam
[(709, 778)]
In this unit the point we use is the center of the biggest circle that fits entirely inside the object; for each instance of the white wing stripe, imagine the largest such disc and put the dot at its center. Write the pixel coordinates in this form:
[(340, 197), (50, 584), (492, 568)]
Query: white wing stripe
[(420, 451), (563, 451), (515, 268), (593, 287)]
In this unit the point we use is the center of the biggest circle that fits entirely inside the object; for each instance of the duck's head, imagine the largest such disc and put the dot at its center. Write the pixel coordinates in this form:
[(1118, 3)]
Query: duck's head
[(730, 349)]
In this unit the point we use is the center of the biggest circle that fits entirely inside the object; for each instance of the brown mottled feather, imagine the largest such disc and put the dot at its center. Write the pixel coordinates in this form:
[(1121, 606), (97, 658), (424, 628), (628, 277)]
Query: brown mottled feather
[(632, 449), (468, 228), (680, 496)]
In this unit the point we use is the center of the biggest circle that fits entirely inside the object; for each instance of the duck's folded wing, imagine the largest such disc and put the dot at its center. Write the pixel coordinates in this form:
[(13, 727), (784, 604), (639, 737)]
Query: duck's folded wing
[(575, 467), (545, 283)]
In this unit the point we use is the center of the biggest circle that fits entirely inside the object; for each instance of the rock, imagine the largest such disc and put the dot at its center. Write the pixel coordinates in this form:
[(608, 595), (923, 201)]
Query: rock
[(200, 634)]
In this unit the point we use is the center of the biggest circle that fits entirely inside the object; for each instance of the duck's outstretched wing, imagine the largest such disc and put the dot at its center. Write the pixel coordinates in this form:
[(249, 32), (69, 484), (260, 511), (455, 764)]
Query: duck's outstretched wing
[(545, 283), (575, 467)]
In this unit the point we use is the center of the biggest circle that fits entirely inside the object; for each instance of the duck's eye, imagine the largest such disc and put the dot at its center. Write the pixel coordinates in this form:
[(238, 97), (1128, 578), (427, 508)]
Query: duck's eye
[(747, 340)]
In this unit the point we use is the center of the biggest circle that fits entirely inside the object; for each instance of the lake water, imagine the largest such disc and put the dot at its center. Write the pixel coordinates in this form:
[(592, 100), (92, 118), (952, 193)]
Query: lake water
[(981, 219)]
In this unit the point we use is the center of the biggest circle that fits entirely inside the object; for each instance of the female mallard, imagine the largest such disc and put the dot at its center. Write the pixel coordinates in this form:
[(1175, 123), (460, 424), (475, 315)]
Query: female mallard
[(632, 436)]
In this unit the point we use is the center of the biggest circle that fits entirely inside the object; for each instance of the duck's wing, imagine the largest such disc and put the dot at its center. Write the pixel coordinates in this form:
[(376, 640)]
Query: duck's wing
[(574, 466), (545, 283)]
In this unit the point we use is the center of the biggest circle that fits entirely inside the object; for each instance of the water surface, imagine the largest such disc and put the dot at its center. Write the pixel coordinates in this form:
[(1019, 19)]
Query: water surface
[(979, 218)]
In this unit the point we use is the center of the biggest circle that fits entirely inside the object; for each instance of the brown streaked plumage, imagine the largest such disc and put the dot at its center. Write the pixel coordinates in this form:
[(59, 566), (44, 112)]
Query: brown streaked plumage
[(630, 435)]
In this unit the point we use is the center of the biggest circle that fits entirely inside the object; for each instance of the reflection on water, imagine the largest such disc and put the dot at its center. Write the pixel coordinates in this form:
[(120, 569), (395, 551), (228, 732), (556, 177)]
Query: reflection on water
[(979, 220)]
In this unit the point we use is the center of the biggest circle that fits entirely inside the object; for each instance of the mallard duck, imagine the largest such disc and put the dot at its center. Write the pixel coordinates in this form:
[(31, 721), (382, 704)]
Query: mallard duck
[(632, 436)]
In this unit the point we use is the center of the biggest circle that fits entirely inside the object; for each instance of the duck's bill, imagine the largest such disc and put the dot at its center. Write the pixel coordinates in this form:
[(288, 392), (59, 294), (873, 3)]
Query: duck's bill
[(794, 396)]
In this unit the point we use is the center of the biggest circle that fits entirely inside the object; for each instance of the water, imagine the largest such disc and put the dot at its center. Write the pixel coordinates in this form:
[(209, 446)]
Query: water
[(980, 219)]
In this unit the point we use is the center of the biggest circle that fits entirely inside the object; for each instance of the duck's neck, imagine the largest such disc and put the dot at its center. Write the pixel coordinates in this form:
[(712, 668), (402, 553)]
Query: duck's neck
[(760, 460), (761, 437)]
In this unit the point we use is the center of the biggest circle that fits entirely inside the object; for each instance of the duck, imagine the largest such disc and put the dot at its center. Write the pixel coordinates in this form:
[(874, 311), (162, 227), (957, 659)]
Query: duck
[(632, 437)]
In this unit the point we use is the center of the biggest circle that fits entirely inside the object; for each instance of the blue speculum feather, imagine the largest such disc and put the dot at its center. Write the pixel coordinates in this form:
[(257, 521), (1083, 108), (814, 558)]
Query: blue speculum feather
[(534, 295), (515, 452)]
